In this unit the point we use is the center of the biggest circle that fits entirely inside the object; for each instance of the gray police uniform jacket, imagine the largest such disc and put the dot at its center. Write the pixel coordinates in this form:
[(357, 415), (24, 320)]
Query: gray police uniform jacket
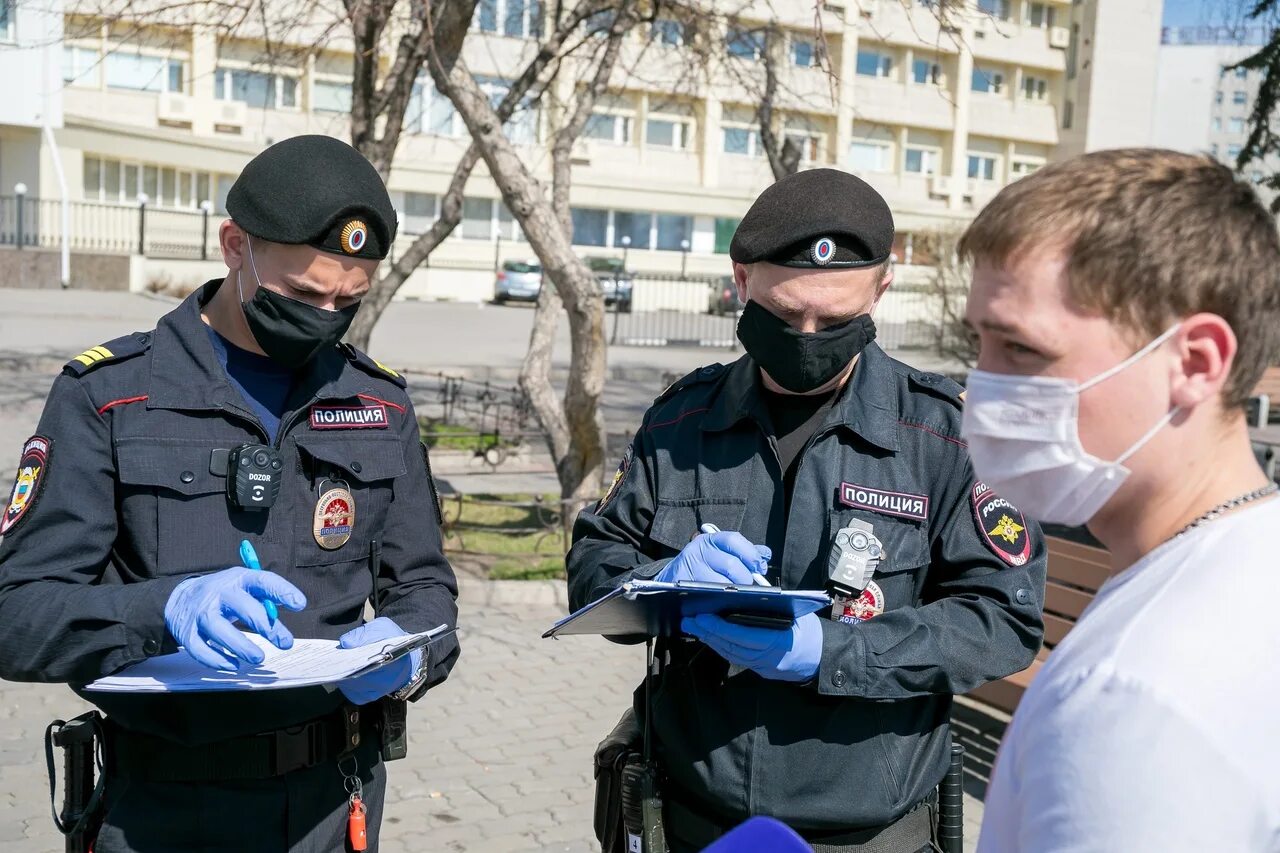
[(960, 587), (126, 506)]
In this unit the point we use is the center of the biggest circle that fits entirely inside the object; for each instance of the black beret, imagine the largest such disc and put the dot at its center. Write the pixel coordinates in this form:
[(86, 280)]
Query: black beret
[(816, 218), (317, 191)]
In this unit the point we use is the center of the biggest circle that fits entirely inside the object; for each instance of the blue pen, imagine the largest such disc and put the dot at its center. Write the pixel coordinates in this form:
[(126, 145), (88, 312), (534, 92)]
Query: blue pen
[(755, 576), (249, 557)]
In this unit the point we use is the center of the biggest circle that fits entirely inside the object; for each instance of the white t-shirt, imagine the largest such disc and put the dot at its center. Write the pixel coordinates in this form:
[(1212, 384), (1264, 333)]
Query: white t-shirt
[(1155, 725)]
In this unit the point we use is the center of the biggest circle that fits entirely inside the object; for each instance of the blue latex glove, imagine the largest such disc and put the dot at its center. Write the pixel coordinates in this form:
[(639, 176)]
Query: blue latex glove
[(200, 612), (727, 557), (388, 679), (792, 654)]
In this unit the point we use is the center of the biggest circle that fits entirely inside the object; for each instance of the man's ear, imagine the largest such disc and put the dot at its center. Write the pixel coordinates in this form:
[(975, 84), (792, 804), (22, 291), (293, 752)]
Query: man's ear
[(885, 280), (233, 242), (740, 280), (1205, 351)]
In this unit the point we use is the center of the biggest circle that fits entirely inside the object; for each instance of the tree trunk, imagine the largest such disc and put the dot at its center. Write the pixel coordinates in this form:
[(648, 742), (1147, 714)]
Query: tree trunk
[(581, 470)]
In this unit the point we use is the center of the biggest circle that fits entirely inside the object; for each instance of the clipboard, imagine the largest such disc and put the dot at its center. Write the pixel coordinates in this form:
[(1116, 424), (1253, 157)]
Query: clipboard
[(394, 651), (654, 609)]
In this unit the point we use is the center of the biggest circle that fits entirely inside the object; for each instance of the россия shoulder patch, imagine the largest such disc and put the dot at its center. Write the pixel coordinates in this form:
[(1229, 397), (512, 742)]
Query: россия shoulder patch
[(1001, 525)]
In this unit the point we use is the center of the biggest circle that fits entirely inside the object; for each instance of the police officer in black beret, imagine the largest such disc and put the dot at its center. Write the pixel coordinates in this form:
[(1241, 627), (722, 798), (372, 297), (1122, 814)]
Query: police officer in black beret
[(124, 536), (827, 465)]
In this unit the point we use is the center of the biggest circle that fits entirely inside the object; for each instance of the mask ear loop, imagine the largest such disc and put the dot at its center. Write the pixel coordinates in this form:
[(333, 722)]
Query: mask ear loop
[(1131, 360), (1128, 362)]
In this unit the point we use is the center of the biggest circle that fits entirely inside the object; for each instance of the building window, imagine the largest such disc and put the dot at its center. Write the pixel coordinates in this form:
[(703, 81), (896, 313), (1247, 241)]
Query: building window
[(1068, 113), (803, 52), (1039, 15), (874, 64), (258, 89), (328, 96), (1233, 151), (668, 32), (431, 112), (116, 182), (922, 161), (742, 140), (982, 167), (1235, 125), (477, 218), (667, 133), (1213, 149), (1073, 51), (608, 127), (1217, 97), (79, 66), (142, 73), (998, 9), (1239, 97), (515, 18), (744, 43), (419, 210), (1242, 73), (590, 226), (810, 145), (1035, 88), (923, 71), (7, 14), (725, 229), (1215, 124), (636, 226), (1022, 168), (869, 157), (987, 80), (674, 231)]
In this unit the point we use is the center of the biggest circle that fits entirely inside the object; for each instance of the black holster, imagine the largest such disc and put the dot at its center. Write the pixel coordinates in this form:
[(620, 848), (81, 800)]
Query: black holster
[(80, 740), (611, 758)]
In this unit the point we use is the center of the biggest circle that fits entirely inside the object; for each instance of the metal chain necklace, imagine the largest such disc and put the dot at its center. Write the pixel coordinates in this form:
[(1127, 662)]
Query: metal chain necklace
[(1217, 511)]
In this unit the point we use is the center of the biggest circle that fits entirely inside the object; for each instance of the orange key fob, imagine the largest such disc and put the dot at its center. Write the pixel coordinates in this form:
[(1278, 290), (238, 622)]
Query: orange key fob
[(355, 826)]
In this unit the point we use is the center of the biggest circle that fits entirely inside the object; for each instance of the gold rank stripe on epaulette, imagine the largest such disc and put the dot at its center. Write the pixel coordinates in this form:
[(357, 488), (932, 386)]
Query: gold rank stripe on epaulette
[(112, 351), (90, 357), (384, 367)]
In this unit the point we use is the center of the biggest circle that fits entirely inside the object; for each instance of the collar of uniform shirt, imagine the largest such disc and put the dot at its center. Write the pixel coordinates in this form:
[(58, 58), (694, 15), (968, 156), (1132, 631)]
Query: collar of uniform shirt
[(868, 405)]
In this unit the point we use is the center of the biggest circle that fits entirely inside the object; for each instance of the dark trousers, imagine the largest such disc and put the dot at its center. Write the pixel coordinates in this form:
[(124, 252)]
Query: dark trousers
[(688, 831), (300, 812)]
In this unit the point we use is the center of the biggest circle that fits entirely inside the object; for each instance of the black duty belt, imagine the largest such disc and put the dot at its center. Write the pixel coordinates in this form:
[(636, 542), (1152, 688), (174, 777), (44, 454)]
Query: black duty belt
[(267, 755), (908, 834)]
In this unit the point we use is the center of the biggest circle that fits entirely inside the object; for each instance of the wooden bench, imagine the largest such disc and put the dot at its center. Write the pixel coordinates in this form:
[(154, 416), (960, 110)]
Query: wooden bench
[(1075, 573)]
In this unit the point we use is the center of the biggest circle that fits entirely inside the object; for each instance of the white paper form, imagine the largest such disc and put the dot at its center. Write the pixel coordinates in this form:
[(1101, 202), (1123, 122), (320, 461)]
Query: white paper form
[(308, 663)]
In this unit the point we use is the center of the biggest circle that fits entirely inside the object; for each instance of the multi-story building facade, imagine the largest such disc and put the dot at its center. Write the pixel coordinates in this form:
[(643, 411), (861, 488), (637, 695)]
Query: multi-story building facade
[(1202, 107), (937, 108)]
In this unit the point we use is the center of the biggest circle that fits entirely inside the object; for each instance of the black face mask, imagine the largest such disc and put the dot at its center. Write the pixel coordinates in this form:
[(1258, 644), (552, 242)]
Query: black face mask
[(292, 332), (801, 361)]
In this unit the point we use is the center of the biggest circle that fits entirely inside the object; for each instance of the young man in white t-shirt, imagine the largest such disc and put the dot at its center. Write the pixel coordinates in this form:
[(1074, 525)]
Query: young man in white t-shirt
[(1126, 303)]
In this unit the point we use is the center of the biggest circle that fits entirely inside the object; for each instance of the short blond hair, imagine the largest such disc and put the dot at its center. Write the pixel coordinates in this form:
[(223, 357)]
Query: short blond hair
[(1150, 236)]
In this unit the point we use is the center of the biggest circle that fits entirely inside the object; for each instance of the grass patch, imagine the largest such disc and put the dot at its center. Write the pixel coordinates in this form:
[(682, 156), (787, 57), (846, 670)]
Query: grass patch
[(521, 570), (442, 436), (518, 537)]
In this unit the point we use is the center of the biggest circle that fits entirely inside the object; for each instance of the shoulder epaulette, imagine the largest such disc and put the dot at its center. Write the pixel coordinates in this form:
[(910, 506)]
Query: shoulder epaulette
[(112, 351), (939, 386), (702, 374), (372, 366)]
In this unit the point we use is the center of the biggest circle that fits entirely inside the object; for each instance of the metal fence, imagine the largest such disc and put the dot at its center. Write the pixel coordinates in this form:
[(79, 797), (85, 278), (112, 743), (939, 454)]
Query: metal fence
[(108, 228), (703, 311)]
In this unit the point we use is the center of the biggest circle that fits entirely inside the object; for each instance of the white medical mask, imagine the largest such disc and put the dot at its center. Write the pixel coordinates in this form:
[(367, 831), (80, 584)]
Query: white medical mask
[(1024, 440)]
